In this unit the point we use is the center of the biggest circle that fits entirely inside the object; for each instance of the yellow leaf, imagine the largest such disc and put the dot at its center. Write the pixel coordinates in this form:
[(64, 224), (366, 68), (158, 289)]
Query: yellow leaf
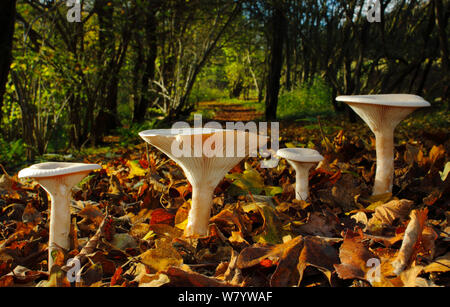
[(290, 145), (161, 257), (135, 170), (182, 225)]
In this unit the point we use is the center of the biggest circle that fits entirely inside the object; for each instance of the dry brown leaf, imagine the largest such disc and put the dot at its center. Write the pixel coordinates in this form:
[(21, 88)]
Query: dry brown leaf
[(237, 240), (164, 230), (354, 256), (286, 274), (345, 191), (139, 230), (318, 224), (410, 278), (386, 214), (232, 217), (436, 153), (162, 256), (252, 255), (181, 278), (31, 214), (92, 218), (318, 253), (154, 280), (411, 237), (440, 264), (233, 274)]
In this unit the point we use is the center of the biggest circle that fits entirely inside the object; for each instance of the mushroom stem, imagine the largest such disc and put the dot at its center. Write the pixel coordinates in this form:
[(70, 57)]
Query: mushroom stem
[(59, 224), (301, 179), (384, 176), (198, 218), (60, 189)]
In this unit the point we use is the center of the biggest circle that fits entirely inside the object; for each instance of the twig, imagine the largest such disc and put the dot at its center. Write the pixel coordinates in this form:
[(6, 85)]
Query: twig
[(4, 171)]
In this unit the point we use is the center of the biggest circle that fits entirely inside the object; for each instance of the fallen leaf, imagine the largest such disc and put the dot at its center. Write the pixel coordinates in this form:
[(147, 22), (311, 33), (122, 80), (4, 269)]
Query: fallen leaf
[(445, 171), (135, 169), (318, 224), (181, 278), (161, 216), (354, 256), (162, 256), (411, 237), (440, 264), (386, 214), (318, 253)]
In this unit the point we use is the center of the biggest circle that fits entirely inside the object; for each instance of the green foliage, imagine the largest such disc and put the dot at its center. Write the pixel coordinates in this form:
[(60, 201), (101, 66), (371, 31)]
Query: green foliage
[(207, 94), (130, 134), (12, 153), (308, 100)]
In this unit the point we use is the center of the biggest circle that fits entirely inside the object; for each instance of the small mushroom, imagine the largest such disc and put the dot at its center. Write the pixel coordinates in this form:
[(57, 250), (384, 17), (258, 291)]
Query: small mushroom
[(206, 157), (301, 159), (58, 178), (382, 113)]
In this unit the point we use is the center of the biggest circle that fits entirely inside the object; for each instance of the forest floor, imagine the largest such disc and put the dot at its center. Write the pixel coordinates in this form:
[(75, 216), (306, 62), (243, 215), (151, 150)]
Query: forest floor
[(134, 210), (240, 111)]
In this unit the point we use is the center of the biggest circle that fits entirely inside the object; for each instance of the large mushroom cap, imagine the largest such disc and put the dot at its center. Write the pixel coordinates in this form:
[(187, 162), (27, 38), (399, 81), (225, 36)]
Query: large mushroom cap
[(52, 169), (300, 155), (393, 100), (180, 131), (163, 139)]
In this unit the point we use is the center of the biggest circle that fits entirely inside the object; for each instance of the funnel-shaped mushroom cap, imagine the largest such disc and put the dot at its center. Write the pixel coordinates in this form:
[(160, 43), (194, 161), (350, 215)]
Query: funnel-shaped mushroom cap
[(301, 159), (50, 174), (393, 100), (384, 111), (300, 155), (204, 154), (52, 169)]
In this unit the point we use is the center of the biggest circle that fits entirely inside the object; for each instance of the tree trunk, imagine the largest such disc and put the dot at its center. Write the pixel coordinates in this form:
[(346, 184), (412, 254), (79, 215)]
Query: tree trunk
[(288, 61), (7, 20), (441, 21), (276, 63), (146, 98)]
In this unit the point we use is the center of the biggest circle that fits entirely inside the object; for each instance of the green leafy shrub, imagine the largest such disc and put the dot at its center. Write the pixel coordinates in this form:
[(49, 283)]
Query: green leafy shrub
[(207, 94), (12, 153), (305, 101)]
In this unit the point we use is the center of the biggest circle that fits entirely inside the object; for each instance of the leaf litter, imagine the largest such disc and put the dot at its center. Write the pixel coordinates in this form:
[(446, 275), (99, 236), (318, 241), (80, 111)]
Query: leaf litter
[(128, 220)]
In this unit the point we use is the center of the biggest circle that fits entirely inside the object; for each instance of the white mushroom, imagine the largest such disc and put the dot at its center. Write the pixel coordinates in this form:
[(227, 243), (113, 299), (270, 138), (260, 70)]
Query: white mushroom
[(382, 113), (58, 178), (205, 155), (301, 159)]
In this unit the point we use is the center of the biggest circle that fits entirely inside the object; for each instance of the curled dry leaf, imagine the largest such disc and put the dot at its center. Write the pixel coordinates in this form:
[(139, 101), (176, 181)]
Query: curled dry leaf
[(233, 274), (412, 235), (286, 274), (232, 217), (386, 214)]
